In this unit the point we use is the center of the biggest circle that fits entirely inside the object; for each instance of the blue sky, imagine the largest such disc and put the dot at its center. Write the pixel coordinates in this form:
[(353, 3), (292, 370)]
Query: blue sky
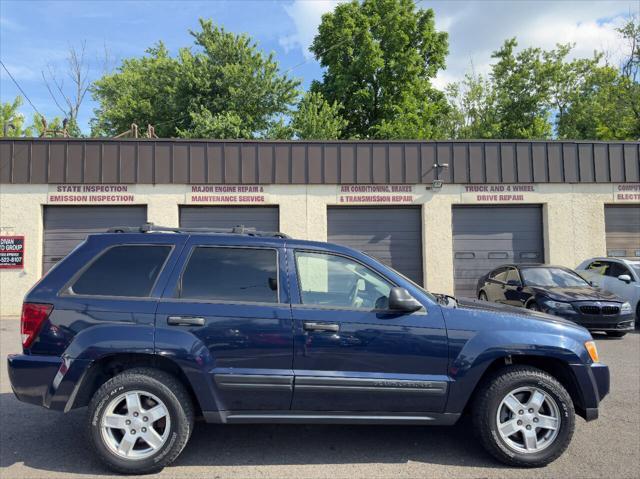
[(36, 35)]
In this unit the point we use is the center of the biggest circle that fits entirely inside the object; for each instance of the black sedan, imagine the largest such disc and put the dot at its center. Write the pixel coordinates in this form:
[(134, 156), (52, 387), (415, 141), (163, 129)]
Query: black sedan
[(558, 291)]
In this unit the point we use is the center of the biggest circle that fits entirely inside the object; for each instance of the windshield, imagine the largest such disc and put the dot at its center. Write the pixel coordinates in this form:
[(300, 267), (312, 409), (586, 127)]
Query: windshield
[(551, 277)]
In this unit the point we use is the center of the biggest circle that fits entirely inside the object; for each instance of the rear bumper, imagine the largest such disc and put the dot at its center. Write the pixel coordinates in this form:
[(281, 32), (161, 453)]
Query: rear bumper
[(593, 382), (47, 381)]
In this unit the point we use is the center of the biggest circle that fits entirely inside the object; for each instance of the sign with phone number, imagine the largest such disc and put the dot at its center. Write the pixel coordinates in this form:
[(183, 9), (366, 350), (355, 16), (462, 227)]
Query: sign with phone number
[(11, 252)]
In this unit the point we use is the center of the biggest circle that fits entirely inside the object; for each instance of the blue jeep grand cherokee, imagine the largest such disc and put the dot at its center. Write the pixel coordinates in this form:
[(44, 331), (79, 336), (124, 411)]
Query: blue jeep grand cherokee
[(154, 327)]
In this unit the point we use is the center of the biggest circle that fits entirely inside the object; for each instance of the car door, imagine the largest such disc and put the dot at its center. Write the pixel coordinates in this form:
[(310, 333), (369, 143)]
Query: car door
[(513, 291), (226, 312), (351, 352), (495, 285), (616, 286)]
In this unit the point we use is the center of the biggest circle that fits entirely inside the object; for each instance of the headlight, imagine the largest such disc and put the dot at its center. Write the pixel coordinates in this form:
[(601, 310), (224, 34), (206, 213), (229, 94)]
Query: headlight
[(625, 308), (558, 305), (592, 350)]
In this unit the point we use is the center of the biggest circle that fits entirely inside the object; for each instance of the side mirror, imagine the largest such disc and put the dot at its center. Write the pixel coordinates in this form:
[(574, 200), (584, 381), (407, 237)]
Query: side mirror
[(401, 300), (513, 282), (625, 277)]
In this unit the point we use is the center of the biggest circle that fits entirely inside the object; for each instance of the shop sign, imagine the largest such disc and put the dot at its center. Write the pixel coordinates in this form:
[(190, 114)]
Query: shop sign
[(623, 192), (91, 194), (376, 194), (498, 193), (11, 252), (227, 194)]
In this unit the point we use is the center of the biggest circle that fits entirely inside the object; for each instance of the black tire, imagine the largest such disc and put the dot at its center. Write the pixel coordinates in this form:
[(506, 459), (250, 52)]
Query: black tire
[(179, 409), (483, 296), (616, 334), (485, 409)]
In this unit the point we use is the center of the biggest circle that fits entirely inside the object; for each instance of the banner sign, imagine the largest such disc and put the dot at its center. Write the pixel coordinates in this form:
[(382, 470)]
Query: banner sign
[(367, 194), (626, 192), (500, 193), (91, 194), (11, 252), (227, 194)]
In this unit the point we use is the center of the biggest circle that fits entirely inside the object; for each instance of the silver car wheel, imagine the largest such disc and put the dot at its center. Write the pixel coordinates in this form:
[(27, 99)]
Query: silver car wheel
[(135, 425), (528, 420)]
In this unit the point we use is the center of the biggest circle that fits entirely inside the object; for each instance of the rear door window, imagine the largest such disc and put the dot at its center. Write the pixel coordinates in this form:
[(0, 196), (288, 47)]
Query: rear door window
[(513, 276), (127, 271), (499, 274), (231, 274)]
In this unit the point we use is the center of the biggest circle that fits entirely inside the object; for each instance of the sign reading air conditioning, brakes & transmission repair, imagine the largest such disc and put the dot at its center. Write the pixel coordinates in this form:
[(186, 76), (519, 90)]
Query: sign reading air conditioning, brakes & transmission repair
[(11, 252)]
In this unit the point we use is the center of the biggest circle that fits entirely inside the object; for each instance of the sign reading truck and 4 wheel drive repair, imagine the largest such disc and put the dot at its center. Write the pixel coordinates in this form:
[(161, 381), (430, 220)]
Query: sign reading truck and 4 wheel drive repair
[(11, 252)]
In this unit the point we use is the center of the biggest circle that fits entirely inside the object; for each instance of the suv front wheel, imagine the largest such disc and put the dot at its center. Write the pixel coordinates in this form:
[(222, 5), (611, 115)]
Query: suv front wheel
[(524, 417), (140, 420)]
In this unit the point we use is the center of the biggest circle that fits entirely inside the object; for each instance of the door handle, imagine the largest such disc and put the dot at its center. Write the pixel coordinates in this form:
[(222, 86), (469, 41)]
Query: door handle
[(311, 326), (185, 321)]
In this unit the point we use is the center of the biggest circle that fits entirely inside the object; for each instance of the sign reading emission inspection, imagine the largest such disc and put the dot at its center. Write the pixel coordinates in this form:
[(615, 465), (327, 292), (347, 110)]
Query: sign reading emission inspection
[(11, 252), (227, 195), (91, 194), (499, 193), (626, 192), (378, 194)]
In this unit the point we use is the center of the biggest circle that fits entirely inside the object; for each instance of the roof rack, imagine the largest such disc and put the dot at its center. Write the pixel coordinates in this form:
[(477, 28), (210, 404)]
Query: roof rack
[(236, 230)]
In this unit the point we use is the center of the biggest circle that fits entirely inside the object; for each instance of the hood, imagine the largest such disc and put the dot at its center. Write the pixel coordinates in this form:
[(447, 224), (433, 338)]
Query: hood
[(476, 304), (576, 294)]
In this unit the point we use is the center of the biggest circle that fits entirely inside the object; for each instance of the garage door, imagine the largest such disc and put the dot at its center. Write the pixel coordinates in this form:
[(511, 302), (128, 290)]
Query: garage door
[(622, 226), (67, 226), (262, 218), (392, 235), (486, 237)]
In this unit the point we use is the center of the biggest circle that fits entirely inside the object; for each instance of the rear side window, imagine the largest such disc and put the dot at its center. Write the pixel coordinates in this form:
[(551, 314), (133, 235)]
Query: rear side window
[(231, 274), (128, 270)]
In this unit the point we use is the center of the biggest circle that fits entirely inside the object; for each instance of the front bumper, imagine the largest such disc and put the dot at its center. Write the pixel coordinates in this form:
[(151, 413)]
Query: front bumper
[(48, 381), (595, 322), (593, 384)]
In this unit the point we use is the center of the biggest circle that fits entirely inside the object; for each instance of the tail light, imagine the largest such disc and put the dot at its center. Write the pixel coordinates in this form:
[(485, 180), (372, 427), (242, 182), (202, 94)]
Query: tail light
[(33, 316)]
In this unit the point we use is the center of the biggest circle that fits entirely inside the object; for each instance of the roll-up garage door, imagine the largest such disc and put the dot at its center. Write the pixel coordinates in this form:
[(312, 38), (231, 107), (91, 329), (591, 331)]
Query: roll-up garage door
[(262, 218), (67, 226), (485, 237), (622, 226), (392, 235)]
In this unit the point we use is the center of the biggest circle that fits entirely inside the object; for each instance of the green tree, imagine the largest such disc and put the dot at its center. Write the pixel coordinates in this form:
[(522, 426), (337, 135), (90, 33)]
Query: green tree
[(12, 121), (606, 105), (317, 119), (474, 113), (224, 87), (378, 58)]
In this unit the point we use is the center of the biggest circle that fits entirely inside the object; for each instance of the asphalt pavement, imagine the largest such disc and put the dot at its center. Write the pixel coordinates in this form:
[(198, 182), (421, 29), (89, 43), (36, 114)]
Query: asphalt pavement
[(37, 443)]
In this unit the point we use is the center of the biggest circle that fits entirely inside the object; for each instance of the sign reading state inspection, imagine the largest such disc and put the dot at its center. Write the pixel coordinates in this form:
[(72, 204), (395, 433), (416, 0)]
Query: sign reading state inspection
[(499, 193), (91, 194), (355, 194), (11, 252), (227, 194)]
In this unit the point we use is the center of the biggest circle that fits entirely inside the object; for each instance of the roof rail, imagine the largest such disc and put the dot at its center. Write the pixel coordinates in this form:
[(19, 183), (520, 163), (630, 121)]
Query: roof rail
[(236, 230)]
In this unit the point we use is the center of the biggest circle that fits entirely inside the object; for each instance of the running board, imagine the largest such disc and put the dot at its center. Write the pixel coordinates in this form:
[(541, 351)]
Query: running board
[(328, 417)]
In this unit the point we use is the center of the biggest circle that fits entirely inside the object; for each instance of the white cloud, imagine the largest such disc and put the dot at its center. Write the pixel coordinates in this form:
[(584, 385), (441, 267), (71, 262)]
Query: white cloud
[(477, 28), (306, 18)]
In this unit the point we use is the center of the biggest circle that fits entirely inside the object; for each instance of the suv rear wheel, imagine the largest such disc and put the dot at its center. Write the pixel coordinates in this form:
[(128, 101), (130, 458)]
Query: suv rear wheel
[(140, 420), (524, 416)]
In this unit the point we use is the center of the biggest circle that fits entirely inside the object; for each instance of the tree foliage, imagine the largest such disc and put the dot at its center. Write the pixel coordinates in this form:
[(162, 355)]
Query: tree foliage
[(317, 119), (379, 57), (223, 88), (12, 122)]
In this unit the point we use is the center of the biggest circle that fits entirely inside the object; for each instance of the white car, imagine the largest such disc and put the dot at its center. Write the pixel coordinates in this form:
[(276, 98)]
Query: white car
[(616, 275)]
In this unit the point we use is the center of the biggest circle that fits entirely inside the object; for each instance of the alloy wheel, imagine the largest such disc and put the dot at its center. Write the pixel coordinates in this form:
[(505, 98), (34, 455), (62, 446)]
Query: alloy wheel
[(528, 420), (135, 425)]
